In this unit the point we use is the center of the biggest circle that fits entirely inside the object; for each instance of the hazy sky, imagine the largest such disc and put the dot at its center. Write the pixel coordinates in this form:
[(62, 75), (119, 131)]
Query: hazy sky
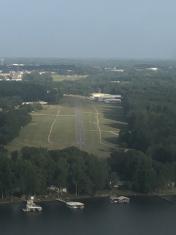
[(88, 28)]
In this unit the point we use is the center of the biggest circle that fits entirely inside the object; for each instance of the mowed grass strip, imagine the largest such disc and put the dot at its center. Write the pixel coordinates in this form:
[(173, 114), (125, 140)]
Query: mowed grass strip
[(34, 134), (63, 134)]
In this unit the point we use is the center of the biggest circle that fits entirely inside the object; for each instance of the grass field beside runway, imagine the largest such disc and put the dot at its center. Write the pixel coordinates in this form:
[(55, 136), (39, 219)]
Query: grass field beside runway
[(76, 121)]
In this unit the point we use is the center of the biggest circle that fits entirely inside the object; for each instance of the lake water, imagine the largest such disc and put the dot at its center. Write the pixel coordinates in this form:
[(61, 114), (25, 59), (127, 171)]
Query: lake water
[(143, 216)]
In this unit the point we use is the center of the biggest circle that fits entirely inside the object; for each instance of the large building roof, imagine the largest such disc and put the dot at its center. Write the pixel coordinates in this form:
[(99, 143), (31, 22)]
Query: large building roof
[(104, 95)]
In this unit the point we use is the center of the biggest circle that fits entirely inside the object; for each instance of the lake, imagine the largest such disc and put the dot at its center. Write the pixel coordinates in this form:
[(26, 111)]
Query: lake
[(143, 216)]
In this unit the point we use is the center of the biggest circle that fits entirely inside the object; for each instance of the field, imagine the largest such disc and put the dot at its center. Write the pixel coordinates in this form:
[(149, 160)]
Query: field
[(91, 126), (60, 78)]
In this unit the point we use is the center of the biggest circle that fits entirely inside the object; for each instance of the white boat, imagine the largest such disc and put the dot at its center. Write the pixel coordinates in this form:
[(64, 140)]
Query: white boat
[(31, 206), (119, 200), (75, 205)]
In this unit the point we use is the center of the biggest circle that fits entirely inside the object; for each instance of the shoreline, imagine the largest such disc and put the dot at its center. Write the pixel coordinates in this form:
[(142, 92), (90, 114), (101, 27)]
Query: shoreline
[(70, 197)]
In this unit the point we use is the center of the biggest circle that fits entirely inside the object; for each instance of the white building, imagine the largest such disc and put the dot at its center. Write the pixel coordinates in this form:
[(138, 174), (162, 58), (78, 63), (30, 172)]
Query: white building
[(153, 69), (108, 98)]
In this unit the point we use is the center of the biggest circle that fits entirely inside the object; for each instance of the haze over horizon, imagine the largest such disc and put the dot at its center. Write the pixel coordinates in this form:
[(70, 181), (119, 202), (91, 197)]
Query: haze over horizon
[(94, 29)]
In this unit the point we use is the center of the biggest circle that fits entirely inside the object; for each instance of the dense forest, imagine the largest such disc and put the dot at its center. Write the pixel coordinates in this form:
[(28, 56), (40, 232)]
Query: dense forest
[(149, 107), (33, 170)]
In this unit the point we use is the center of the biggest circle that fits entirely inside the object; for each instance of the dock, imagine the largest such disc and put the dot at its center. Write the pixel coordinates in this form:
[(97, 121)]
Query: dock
[(72, 204)]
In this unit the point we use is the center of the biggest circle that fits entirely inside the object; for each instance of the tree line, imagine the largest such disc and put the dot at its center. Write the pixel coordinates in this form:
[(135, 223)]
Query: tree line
[(33, 170), (11, 123), (149, 107)]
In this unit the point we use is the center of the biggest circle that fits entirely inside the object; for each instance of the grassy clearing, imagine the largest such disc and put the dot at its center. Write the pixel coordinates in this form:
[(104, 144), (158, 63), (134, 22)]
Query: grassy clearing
[(59, 78), (75, 122)]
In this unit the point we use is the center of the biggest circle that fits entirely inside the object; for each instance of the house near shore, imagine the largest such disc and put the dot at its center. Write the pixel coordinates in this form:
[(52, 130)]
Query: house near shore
[(57, 189), (107, 98), (35, 102)]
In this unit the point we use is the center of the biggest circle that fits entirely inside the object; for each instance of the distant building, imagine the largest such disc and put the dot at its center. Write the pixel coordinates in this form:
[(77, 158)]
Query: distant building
[(117, 70), (21, 65), (114, 69), (43, 102), (35, 102), (115, 81), (112, 101), (107, 98), (12, 76), (152, 69)]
